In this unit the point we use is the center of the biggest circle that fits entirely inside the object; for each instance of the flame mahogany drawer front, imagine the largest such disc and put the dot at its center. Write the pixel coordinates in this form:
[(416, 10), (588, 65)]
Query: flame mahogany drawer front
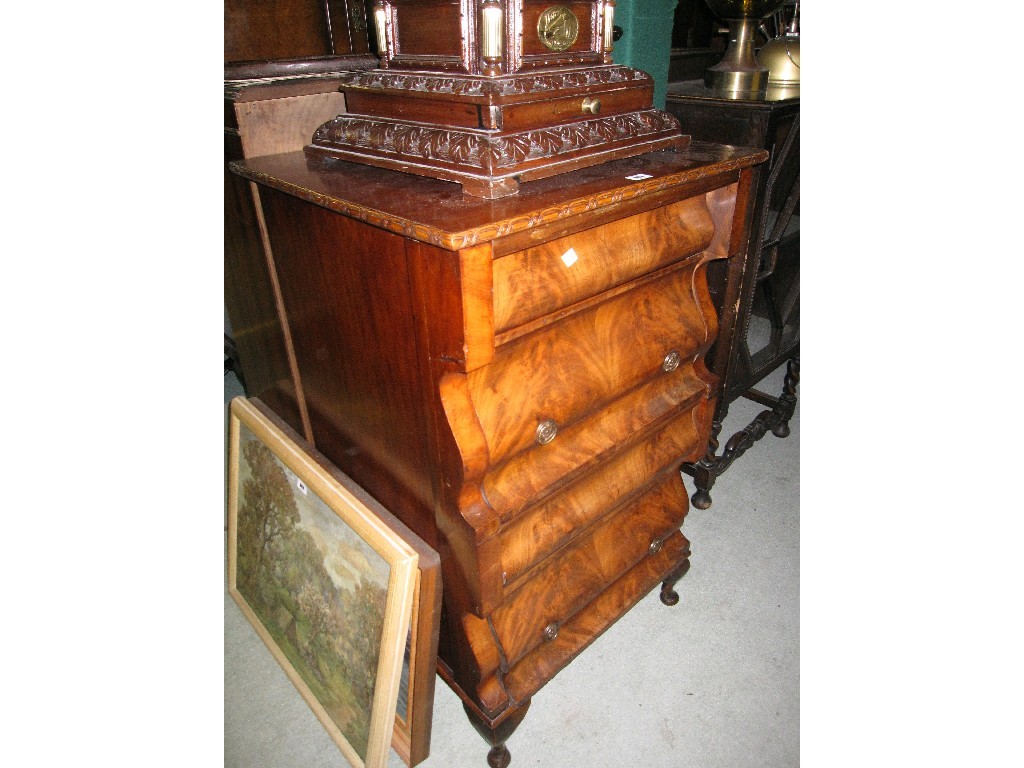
[(550, 276), (649, 336), (517, 380)]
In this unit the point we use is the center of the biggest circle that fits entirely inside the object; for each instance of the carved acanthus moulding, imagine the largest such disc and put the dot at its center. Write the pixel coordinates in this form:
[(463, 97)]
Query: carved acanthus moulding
[(476, 151), (428, 83)]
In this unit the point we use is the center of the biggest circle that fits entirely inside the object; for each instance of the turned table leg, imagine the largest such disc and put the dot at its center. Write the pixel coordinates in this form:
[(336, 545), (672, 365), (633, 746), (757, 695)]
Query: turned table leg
[(787, 400), (708, 469), (705, 470), (497, 733)]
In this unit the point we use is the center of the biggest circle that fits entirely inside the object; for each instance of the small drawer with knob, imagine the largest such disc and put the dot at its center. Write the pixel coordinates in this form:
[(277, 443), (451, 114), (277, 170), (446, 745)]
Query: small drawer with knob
[(539, 386), (539, 531), (534, 282), (556, 112), (562, 586)]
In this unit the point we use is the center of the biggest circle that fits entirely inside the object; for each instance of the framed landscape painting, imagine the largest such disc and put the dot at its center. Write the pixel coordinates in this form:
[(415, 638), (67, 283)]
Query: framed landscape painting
[(326, 580)]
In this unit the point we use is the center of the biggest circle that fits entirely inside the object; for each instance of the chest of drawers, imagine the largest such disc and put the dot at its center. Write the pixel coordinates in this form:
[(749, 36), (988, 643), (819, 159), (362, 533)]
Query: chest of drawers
[(518, 380)]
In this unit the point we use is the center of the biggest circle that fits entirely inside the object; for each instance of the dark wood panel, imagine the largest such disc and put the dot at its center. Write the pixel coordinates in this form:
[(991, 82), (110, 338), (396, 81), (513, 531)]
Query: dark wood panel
[(425, 28), (275, 29), (463, 115), (269, 30), (350, 28), (344, 285)]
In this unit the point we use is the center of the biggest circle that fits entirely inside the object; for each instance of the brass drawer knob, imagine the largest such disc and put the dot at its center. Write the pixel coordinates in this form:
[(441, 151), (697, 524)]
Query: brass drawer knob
[(591, 106), (656, 546), (671, 361), (551, 631), (546, 431)]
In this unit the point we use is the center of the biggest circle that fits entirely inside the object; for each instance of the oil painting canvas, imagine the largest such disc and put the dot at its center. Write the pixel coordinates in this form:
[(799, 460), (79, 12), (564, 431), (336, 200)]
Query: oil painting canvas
[(327, 585)]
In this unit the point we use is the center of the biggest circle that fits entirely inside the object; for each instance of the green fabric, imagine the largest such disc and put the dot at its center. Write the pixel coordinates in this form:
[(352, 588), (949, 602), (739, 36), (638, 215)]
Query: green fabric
[(646, 41)]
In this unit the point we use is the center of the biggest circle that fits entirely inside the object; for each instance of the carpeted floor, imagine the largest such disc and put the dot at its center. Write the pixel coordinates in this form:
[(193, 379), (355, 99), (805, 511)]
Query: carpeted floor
[(712, 682)]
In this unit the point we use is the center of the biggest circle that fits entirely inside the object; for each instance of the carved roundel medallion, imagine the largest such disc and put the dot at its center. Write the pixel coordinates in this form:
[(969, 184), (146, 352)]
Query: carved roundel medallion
[(558, 28)]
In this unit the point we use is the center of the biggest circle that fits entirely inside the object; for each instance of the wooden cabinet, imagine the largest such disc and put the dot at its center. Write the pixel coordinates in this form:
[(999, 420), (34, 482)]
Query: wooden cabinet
[(764, 285), (269, 108), (517, 380)]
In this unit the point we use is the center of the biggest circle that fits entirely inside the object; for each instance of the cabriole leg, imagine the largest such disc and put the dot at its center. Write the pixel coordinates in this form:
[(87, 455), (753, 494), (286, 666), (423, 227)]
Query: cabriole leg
[(497, 734)]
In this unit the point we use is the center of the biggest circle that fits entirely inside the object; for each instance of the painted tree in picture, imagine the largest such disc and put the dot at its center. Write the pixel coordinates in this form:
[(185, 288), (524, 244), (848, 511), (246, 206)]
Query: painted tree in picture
[(270, 512), (316, 586)]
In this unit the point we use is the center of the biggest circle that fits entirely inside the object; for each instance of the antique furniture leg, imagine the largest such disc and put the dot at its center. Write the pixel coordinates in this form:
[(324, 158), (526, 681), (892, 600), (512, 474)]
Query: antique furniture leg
[(707, 470), (788, 397), (704, 471), (496, 734), (669, 596), (759, 303)]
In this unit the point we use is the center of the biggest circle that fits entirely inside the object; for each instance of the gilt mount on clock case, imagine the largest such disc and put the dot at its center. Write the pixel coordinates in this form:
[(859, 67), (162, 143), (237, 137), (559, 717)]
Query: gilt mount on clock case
[(491, 93)]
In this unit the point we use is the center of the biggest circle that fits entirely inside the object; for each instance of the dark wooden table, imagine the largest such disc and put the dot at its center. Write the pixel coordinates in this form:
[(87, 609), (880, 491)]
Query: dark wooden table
[(763, 286)]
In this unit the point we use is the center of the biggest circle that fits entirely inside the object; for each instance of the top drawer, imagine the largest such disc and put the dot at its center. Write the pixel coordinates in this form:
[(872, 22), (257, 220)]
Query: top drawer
[(534, 282)]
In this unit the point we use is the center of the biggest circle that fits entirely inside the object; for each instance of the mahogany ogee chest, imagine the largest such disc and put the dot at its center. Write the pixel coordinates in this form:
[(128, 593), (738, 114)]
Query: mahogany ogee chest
[(517, 379)]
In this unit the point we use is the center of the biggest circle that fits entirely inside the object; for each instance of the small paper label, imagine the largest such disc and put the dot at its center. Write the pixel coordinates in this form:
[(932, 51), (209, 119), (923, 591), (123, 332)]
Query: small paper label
[(640, 176), (569, 257)]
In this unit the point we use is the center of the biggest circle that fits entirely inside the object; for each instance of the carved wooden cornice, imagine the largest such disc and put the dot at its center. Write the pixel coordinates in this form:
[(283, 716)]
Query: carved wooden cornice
[(473, 151), (426, 83)]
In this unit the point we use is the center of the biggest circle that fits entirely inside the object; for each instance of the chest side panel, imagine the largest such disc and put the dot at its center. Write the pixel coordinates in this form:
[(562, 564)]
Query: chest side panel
[(345, 289)]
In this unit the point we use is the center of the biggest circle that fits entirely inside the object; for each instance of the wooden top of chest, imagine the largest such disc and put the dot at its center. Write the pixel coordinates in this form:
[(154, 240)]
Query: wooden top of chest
[(437, 212)]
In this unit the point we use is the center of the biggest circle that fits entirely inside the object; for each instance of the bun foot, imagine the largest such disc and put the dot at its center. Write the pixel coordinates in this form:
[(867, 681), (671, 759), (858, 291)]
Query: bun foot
[(781, 429), (499, 757), (701, 499), (668, 595)]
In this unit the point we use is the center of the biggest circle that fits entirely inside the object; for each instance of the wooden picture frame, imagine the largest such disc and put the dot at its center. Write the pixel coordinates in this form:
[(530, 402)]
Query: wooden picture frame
[(413, 722), (328, 579)]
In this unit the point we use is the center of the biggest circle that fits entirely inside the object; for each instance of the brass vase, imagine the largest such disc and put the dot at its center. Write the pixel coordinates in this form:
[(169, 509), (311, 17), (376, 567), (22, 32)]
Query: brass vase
[(738, 71)]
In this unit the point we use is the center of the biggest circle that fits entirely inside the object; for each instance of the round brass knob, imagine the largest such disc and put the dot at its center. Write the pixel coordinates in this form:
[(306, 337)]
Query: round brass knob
[(656, 546), (591, 106), (671, 361), (546, 431), (551, 631)]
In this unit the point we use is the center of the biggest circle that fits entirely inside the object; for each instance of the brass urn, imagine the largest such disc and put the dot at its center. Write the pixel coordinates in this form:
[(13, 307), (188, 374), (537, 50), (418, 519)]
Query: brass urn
[(782, 54), (739, 71)]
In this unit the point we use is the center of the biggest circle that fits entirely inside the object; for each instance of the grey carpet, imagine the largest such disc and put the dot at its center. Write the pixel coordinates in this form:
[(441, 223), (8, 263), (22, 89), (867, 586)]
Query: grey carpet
[(712, 682)]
